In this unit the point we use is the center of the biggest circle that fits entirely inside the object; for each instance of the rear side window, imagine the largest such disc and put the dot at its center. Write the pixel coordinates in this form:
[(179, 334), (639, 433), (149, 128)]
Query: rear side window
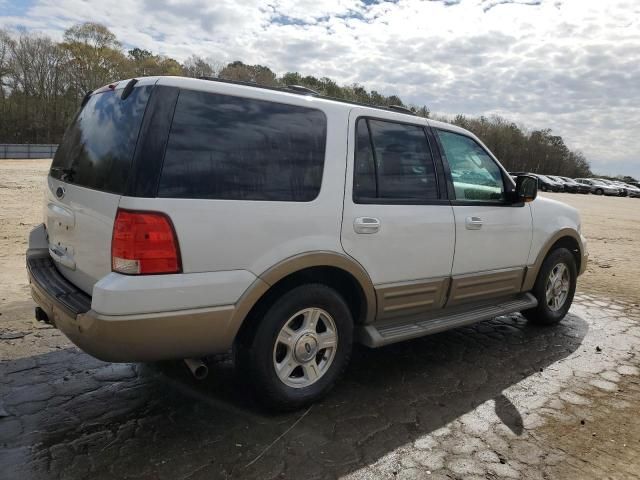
[(234, 148), (393, 164), (98, 147)]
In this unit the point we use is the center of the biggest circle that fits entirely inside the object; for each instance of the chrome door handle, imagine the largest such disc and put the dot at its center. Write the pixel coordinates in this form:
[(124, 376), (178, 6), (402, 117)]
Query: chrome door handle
[(366, 225), (473, 223)]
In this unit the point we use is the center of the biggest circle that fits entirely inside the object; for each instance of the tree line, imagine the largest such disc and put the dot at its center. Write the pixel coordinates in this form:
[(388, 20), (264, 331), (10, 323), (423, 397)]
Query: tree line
[(42, 83)]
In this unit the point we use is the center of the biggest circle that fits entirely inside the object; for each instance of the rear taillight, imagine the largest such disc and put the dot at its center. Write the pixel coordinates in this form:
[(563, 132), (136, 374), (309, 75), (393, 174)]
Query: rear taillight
[(144, 243)]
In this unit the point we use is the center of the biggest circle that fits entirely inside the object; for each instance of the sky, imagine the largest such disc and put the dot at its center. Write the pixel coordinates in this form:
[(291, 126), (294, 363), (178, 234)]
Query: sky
[(569, 65)]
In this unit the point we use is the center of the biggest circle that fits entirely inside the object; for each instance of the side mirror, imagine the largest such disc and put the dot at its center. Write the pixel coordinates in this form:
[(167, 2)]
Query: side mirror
[(526, 188)]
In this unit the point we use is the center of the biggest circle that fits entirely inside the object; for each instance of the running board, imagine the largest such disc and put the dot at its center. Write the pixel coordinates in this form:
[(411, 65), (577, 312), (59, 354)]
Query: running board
[(378, 336)]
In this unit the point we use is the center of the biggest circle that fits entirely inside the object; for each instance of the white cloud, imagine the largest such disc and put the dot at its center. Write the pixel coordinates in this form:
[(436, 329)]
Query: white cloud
[(572, 65)]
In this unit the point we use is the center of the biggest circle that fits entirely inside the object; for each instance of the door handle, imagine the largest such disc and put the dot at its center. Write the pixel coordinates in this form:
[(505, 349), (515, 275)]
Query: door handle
[(366, 225), (473, 223)]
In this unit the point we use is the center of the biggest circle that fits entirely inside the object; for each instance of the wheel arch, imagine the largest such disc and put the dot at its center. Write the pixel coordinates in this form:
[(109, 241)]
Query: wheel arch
[(565, 238), (329, 268)]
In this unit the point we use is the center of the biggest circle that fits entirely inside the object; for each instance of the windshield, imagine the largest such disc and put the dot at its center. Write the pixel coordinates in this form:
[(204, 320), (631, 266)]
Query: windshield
[(98, 147)]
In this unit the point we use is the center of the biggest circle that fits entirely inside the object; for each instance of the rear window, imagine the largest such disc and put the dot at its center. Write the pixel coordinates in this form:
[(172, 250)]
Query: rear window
[(98, 147), (234, 148)]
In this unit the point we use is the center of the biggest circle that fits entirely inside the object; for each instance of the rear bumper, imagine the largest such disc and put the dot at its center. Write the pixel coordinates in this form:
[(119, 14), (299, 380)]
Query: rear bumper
[(125, 338)]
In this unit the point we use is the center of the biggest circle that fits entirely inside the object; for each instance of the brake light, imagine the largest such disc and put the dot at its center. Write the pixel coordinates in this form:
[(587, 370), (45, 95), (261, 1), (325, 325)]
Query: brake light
[(144, 243)]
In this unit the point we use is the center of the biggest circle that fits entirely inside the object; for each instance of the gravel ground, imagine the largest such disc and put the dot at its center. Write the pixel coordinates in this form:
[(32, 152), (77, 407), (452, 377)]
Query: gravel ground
[(501, 399)]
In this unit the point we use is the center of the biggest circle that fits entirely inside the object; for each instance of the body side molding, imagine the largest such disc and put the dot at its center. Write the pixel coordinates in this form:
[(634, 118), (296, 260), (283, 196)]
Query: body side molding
[(409, 298)]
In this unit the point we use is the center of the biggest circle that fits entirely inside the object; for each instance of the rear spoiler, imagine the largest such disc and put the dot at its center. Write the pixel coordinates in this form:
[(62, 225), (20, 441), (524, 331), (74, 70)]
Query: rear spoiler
[(128, 88)]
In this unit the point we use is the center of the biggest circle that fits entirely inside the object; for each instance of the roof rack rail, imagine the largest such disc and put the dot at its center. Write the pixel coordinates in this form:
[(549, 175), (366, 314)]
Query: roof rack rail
[(302, 89), (401, 109)]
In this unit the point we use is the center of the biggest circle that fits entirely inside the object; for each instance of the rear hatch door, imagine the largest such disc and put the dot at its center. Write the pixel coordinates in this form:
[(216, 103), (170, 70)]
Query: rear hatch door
[(88, 176)]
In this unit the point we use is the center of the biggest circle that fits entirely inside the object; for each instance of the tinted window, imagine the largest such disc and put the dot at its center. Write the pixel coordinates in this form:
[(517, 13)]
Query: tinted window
[(476, 176), (393, 162), (364, 185), (228, 147), (97, 148)]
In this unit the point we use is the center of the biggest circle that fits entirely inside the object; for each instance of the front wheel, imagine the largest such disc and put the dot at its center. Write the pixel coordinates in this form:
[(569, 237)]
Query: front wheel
[(299, 348), (599, 191), (554, 288)]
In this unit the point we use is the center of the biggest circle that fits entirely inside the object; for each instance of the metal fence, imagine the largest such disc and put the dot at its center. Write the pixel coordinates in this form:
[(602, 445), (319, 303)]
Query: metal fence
[(27, 150)]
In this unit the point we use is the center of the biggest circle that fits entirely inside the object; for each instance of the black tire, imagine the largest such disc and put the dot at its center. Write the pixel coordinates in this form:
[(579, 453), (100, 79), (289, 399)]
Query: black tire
[(255, 355), (599, 191), (543, 188), (544, 314)]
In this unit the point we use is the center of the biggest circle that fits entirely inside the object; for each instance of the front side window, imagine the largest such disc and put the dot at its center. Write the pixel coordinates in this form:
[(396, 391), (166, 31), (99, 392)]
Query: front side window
[(235, 148), (476, 176), (393, 163)]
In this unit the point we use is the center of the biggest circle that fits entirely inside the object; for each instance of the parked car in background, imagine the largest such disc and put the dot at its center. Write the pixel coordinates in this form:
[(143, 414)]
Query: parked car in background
[(555, 186), (628, 190), (565, 186), (632, 190), (577, 187), (621, 191), (544, 183), (185, 218), (599, 188), (569, 187)]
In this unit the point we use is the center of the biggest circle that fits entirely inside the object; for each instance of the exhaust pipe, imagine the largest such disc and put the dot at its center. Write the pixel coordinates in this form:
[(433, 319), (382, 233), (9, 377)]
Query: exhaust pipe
[(42, 316), (197, 367)]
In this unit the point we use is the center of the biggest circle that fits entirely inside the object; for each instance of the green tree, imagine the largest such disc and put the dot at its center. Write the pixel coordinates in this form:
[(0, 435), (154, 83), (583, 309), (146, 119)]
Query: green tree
[(41, 83), (258, 74), (94, 56)]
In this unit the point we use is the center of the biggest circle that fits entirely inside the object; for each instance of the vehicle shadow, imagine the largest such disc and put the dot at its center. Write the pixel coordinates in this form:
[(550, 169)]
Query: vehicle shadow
[(65, 414)]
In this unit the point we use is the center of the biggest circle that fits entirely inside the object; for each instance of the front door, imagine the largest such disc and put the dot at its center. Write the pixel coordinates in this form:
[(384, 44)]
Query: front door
[(395, 221), (493, 236)]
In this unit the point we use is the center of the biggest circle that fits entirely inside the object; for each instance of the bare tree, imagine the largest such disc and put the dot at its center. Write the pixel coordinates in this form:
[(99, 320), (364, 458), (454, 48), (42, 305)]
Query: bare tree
[(196, 66)]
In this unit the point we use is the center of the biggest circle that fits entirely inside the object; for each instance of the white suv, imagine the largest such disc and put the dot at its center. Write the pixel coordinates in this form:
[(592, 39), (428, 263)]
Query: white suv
[(185, 218)]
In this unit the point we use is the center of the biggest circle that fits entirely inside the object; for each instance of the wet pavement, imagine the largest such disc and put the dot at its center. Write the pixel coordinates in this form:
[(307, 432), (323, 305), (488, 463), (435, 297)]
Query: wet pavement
[(485, 401)]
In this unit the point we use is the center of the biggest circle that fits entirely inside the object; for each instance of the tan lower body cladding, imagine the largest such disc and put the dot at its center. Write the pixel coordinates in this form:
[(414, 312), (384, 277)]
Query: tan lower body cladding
[(480, 286), (411, 298)]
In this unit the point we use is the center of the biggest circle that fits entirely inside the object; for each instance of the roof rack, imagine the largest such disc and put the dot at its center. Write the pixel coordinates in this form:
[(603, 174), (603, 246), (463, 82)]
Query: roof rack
[(402, 109), (302, 89), (299, 89)]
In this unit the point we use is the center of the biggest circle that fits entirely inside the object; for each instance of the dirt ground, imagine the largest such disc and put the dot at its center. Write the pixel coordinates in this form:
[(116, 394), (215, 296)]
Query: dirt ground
[(612, 228), (497, 400)]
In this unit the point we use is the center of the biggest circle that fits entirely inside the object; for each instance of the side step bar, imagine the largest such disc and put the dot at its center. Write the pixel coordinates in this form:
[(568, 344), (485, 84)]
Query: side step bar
[(378, 336)]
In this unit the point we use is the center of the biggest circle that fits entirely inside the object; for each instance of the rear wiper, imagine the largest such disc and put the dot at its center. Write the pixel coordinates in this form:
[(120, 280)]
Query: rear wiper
[(66, 172)]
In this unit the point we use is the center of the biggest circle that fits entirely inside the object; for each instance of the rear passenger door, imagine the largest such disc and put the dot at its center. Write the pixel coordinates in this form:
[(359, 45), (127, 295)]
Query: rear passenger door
[(396, 221), (493, 236)]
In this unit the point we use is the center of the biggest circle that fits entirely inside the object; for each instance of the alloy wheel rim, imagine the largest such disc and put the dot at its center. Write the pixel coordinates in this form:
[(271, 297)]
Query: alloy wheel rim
[(305, 347), (557, 287)]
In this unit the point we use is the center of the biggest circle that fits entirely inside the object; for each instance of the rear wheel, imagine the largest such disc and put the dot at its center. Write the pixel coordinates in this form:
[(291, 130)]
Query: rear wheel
[(554, 288), (300, 347), (599, 191)]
